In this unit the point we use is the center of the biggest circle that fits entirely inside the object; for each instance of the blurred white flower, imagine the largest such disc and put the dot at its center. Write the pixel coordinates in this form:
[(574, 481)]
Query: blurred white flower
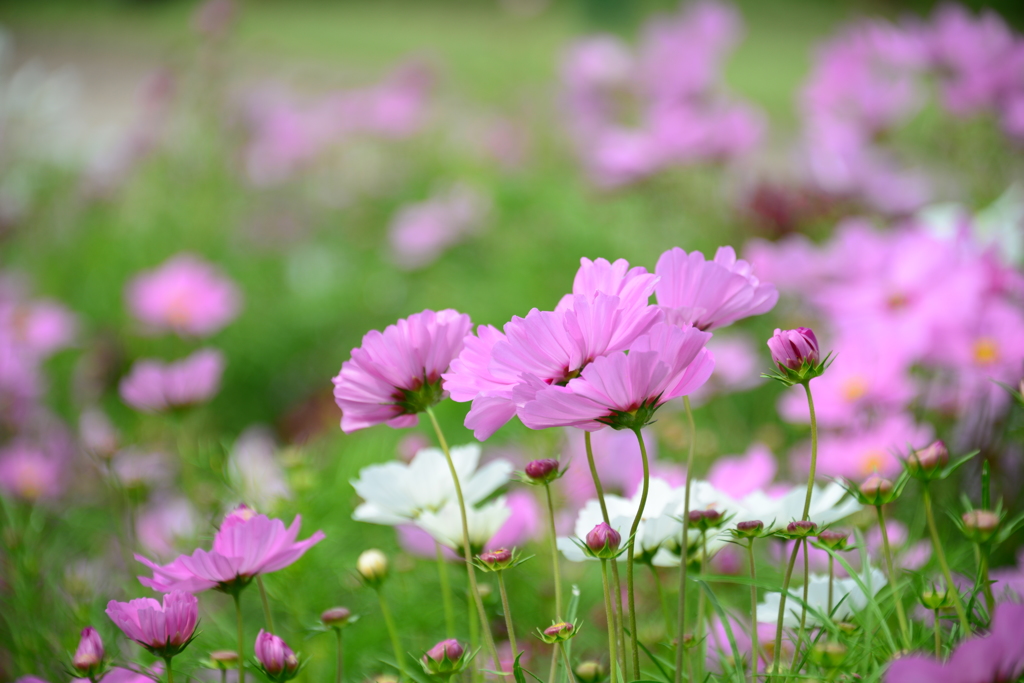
[(397, 493), (827, 505), (847, 598), (445, 525), (255, 471)]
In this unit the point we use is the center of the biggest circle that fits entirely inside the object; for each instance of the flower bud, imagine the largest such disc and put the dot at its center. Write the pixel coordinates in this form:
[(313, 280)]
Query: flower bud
[(929, 459), (877, 490), (589, 671), (372, 565), (828, 655), (836, 540), (445, 658), (801, 529), (542, 470), (558, 632), (277, 659), (336, 617), (980, 525), (935, 599), (88, 657), (224, 659), (750, 529), (604, 541), (497, 559), (706, 519), (794, 349)]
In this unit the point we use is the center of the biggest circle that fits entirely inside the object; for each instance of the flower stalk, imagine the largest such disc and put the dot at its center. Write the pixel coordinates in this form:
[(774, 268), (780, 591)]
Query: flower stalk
[(610, 616), (508, 613), (754, 651), (893, 580), (241, 636), (389, 622), (266, 604), (681, 617), (941, 556), (782, 610), (630, 553), (446, 592)]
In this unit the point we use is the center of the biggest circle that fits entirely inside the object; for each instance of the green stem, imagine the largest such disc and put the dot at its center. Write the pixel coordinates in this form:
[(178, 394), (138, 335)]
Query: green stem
[(754, 656), (341, 660), (616, 583), (568, 664), (803, 606), (938, 637), (396, 645), (554, 664), (631, 552), (986, 583), (941, 556), (474, 634), (893, 580), (223, 676), (831, 580), (467, 553), (777, 655), (170, 672), (241, 637), (612, 656), (814, 451), (684, 552), (661, 600), (553, 538), (508, 614), (446, 592), (266, 604), (700, 651)]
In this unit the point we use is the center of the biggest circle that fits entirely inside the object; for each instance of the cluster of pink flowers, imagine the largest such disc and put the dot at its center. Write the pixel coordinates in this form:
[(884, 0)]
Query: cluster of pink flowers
[(673, 82)]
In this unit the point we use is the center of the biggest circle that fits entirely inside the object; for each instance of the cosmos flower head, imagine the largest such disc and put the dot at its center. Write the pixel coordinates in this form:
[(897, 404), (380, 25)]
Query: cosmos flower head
[(185, 295)]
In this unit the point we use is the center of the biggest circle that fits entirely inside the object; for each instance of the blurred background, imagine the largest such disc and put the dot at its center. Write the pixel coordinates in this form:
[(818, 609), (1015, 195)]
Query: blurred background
[(334, 166)]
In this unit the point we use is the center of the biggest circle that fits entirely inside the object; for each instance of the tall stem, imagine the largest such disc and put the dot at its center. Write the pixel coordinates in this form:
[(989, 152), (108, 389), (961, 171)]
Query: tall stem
[(467, 553), (986, 583), (446, 592), (170, 672), (803, 606), (831, 580), (241, 637), (396, 645), (893, 580), (814, 451), (777, 654), (941, 556), (699, 641), (631, 552), (508, 614), (341, 659), (753, 613), (568, 664), (266, 604), (554, 664), (612, 656), (938, 637), (553, 538), (661, 600), (681, 617), (616, 583)]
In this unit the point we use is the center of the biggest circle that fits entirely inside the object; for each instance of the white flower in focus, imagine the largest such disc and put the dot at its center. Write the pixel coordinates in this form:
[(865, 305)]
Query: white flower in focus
[(847, 598), (397, 493), (827, 505), (255, 471), (445, 525)]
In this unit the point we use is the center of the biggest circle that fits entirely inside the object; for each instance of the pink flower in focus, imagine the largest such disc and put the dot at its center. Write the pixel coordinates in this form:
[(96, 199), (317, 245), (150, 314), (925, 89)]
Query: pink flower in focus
[(246, 545), (794, 349), (419, 233), (185, 295), (163, 629), (31, 473), (624, 390), (152, 386), (710, 294), (396, 373)]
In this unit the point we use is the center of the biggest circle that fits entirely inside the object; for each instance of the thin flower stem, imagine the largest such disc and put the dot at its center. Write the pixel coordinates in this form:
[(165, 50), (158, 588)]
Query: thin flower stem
[(446, 592), (938, 637), (568, 664), (893, 579), (803, 606), (616, 583), (508, 613), (831, 580), (814, 451), (241, 637), (466, 551), (609, 615), (661, 600), (753, 613), (681, 617), (170, 671), (700, 652), (554, 664), (630, 553), (266, 604), (223, 676), (396, 644), (341, 660), (941, 556), (777, 654), (553, 537), (986, 583)]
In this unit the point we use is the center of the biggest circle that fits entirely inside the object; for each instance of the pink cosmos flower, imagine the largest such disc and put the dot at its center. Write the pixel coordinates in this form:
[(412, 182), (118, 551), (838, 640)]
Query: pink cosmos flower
[(710, 294), (991, 658), (163, 629), (89, 655), (623, 390), (396, 373), (152, 386), (31, 473), (740, 475), (859, 453), (185, 295), (247, 544), (274, 654), (419, 233), (737, 366), (794, 348)]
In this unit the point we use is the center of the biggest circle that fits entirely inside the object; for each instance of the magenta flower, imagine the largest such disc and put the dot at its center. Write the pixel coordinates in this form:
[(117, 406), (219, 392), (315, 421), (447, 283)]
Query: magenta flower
[(992, 658), (396, 373), (163, 629), (152, 386), (246, 545), (794, 348), (88, 658), (185, 295), (623, 390), (710, 294), (276, 658)]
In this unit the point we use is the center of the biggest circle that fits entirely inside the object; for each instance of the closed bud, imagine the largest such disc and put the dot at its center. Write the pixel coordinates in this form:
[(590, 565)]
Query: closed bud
[(980, 525), (336, 617), (836, 540), (372, 565), (828, 655), (936, 599), (542, 470), (750, 529), (877, 490), (275, 657), (794, 348), (558, 633), (224, 659), (497, 559), (706, 519), (801, 529), (929, 459), (604, 541), (88, 657), (589, 672), (445, 658)]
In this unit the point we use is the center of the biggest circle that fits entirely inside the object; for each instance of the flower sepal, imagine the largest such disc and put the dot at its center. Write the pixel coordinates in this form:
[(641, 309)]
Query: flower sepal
[(801, 375), (500, 560), (559, 632)]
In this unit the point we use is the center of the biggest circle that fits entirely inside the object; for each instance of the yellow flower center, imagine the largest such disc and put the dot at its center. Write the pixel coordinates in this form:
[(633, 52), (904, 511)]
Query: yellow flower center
[(854, 388), (986, 351), (872, 461)]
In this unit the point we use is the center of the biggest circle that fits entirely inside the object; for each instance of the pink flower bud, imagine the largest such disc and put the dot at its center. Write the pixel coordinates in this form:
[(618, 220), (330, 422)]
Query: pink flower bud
[(558, 633), (449, 649), (836, 540), (801, 528), (336, 616), (496, 558), (224, 659), (980, 525), (542, 470), (274, 654), (877, 490), (930, 458), (793, 348), (603, 539), (751, 528), (89, 655)]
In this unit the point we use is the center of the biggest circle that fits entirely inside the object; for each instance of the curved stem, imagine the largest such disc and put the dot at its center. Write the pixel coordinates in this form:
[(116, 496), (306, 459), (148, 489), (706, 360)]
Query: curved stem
[(893, 580), (170, 671), (814, 451), (661, 600), (396, 644), (553, 535), (446, 592), (266, 604), (467, 553), (753, 613), (941, 556), (341, 659), (612, 656), (241, 637), (777, 654), (630, 553), (508, 614), (681, 617)]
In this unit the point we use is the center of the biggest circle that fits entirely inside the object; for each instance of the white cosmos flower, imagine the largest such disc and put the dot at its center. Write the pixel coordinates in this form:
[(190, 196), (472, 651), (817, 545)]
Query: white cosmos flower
[(817, 598), (398, 493), (483, 522), (827, 505)]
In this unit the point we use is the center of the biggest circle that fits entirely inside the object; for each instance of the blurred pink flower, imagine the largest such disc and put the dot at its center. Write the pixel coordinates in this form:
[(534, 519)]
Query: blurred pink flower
[(40, 327), (396, 373), (245, 545), (740, 475), (164, 629), (31, 472), (161, 524), (737, 367), (185, 295), (419, 233), (120, 675), (135, 467), (861, 452), (710, 294), (214, 18), (1009, 580), (97, 433), (617, 458), (152, 386)]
